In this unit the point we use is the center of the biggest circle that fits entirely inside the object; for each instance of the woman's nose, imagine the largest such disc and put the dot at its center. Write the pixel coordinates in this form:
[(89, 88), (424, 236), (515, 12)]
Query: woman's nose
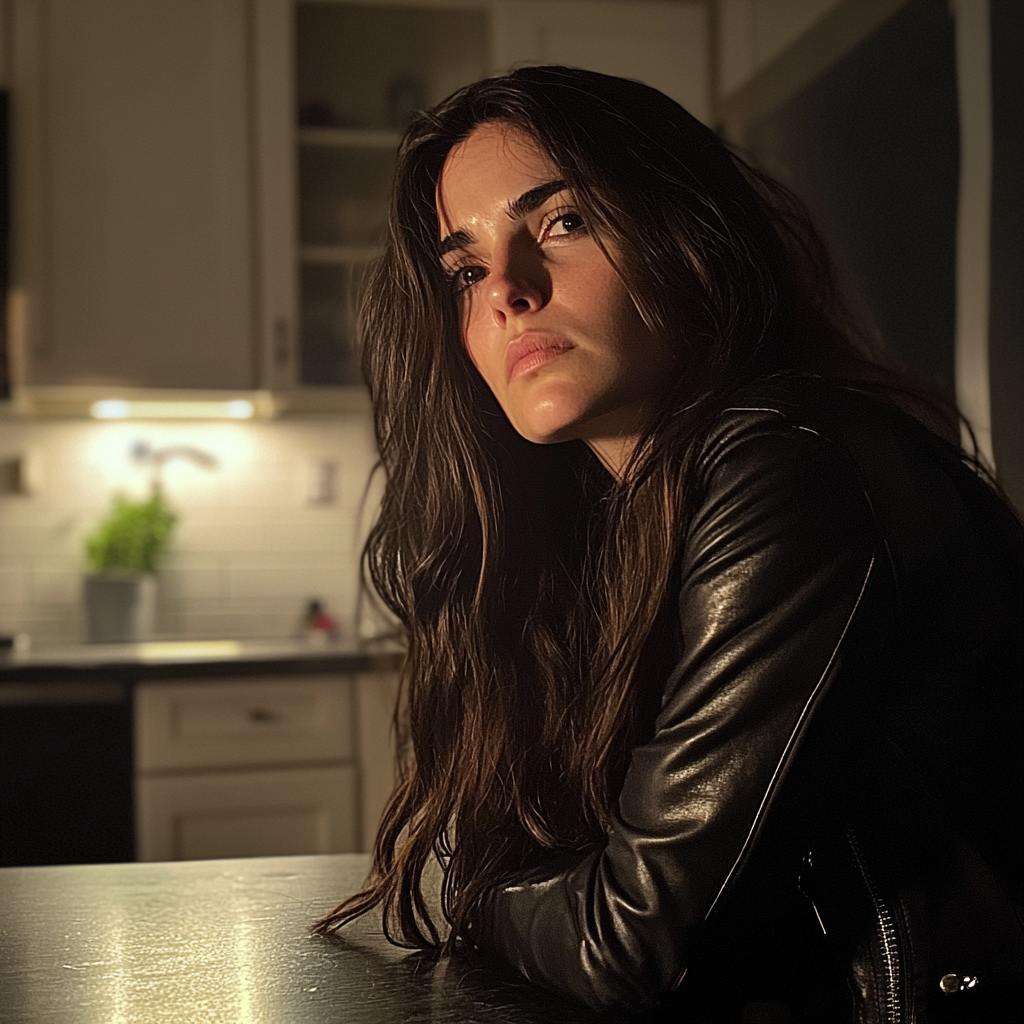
[(517, 283)]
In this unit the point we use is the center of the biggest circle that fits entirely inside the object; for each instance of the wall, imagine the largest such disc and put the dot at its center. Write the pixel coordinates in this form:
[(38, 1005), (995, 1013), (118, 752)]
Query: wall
[(663, 44), (249, 549), (872, 147), (751, 33), (909, 110), (1006, 311)]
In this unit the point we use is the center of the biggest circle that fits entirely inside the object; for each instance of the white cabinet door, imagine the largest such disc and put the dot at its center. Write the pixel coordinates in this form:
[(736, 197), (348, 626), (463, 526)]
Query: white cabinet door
[(133, 260), (246, 814)]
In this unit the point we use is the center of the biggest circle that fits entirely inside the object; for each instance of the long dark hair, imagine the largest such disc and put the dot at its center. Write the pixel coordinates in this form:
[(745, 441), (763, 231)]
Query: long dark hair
[(532, 586)]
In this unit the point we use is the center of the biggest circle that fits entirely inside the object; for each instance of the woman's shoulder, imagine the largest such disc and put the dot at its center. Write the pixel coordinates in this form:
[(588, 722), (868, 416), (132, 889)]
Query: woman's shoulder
[(921, 493), (808, 416), (814, 405), (770, 471), (784, 420)]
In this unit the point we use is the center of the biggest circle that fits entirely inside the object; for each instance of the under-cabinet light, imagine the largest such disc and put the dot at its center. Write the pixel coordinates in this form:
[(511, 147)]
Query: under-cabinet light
[(170, 650), (120, 409)]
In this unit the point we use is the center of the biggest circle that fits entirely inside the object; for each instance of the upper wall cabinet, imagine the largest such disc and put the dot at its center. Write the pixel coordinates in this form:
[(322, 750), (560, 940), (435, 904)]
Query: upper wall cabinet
[(200, 184), (360, 71), (133, 229), (338, 81)]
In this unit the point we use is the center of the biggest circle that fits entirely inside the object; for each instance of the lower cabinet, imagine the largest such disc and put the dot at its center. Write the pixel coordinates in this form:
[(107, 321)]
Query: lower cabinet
[(261, 766), (247, 814)]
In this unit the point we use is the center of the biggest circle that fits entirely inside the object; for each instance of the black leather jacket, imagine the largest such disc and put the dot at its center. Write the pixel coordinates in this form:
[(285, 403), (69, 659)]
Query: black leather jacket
[(825, 823)]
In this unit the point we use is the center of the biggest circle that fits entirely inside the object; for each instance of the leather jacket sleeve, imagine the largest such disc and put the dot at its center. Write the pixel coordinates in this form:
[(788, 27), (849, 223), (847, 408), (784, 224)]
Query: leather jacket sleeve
[(774, 567)]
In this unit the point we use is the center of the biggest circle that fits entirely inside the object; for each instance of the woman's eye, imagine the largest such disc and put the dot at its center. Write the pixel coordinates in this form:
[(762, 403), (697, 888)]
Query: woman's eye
[(466, 277), (565, 224)]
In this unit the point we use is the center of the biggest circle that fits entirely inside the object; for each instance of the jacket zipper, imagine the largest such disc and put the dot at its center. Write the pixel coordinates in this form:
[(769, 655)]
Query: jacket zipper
[(887, 931)]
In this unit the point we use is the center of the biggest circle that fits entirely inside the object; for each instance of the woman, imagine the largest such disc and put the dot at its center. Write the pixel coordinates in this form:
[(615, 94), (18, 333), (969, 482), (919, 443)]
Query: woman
[(713, 649)]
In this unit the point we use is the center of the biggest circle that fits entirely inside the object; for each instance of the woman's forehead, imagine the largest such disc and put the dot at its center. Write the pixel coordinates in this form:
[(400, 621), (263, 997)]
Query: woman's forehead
[(487, 172)]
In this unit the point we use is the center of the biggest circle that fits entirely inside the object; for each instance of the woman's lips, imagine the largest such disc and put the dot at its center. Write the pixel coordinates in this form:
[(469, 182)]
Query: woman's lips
[(531, 350)]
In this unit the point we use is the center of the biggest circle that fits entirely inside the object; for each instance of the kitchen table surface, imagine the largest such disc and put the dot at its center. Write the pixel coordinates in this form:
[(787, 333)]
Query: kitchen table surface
[(228, 942)]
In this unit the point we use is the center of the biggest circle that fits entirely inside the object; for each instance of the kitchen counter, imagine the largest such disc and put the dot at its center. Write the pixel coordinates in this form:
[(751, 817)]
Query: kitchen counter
[(227, 942), (296, 733), (170, 659)]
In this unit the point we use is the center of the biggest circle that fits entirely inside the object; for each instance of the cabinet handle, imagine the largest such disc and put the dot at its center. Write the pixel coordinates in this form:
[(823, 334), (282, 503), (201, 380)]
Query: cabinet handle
[(263, 715)]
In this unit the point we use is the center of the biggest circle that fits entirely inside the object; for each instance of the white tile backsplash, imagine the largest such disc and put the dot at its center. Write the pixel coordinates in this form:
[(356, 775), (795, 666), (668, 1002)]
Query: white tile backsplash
[(248, 551)]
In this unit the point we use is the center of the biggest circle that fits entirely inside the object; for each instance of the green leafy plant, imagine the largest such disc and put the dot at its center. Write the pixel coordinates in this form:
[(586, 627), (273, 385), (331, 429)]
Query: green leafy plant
[(132, 537)]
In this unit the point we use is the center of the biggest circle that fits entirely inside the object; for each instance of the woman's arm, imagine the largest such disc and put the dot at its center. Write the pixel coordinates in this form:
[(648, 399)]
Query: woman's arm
[(774, 568)]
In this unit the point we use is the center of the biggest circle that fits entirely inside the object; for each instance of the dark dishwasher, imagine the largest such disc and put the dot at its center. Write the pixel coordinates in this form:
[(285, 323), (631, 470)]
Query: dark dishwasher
[(65, 774)]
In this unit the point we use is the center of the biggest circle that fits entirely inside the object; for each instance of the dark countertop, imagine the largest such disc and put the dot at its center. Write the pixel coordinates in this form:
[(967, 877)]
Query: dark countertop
[(227, 942), (176, 659)]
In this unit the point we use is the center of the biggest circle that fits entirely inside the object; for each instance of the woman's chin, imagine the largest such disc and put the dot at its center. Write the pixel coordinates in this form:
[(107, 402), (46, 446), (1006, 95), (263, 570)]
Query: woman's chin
[(551, 417), (546, 429)]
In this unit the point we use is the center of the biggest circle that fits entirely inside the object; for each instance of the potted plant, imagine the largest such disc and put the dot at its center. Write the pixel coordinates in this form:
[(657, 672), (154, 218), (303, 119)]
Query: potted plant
[(122, 555)]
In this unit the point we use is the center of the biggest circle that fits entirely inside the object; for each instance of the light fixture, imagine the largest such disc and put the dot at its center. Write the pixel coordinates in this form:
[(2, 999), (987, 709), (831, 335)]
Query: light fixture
[(187, 650), (122, 409)]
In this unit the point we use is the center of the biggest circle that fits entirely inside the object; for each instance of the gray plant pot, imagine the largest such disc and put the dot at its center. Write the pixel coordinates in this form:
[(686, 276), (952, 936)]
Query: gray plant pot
[(119, 607)]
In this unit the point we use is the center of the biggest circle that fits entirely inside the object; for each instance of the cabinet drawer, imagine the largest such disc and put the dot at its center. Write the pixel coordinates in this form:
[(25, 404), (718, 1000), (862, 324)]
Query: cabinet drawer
[(217, 724), (246, 814)]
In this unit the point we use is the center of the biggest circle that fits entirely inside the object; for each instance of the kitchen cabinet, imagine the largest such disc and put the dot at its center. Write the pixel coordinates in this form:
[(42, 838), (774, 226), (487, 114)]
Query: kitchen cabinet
[(194, 749), (201, 183), (246, 814), (261, 766), (664, 44), (133, 261), (337, 82)]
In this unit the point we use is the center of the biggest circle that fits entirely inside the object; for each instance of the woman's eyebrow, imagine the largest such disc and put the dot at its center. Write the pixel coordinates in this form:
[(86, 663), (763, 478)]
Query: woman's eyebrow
[(456, 240), (526, 203), (534, 197)]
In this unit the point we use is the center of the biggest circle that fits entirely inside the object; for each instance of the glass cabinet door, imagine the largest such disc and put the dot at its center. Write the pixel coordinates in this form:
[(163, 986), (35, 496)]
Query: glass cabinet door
[(361, 71)]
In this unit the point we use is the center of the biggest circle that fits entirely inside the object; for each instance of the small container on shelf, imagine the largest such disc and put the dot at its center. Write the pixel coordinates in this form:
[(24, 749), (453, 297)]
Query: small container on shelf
[(320, 628)]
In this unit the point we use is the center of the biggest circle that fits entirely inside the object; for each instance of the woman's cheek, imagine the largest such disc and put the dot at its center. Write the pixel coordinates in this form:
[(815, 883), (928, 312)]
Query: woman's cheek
[(481, 353)]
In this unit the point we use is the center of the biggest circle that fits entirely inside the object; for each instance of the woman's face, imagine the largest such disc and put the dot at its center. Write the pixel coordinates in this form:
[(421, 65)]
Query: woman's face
[(546, 319)]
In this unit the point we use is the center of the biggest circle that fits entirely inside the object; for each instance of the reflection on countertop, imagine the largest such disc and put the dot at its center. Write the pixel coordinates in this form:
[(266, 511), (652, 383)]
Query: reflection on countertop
[(228, 942)]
